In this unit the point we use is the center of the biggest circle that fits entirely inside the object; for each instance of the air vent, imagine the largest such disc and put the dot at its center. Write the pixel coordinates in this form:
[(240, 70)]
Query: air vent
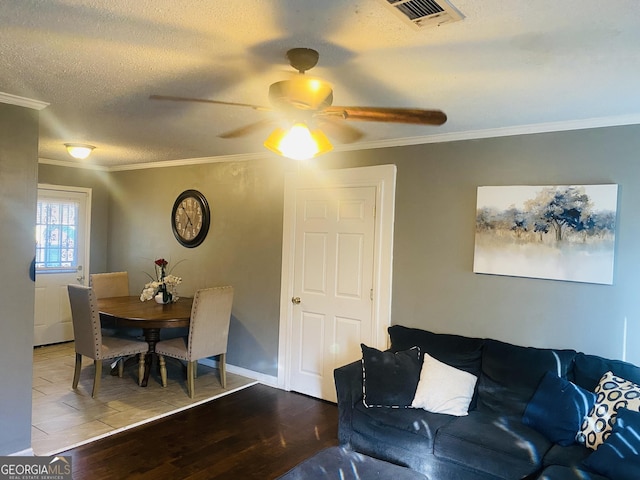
[(425, 13)]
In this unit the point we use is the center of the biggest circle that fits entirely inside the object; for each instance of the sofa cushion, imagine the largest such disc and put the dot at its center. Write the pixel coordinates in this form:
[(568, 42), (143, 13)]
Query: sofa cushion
[(390, 379), (557, 472), (464, 353), (511, 374), (443, 389), (558, 408), (493, 444), (411, 429), (619, 456), (571, 456), (589, 369), (613, 393)]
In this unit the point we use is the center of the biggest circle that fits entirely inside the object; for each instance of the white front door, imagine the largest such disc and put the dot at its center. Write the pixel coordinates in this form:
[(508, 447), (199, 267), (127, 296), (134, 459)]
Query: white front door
[(336, 276), (62, 252)]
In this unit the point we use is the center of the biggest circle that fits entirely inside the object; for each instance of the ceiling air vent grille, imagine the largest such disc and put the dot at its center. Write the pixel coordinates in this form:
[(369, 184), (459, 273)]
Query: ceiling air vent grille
[(425, 13)]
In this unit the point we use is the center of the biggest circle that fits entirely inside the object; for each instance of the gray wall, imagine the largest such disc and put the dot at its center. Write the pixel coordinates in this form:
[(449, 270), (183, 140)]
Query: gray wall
[(243, 247), (18, 170), (433, 283)]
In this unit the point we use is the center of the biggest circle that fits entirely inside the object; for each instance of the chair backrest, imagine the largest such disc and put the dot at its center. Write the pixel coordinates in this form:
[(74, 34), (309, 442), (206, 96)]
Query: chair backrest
[(86, 321), (210, 317), (112, 284)]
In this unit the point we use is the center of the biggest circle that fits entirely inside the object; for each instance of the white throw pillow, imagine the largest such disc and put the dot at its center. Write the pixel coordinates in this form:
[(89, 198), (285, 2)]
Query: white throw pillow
[(444, 389)]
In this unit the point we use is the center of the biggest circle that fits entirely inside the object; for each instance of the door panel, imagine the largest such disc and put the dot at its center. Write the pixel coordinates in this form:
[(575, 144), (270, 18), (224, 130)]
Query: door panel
[(62, 235), (52, 323), (314, 263), (349, 265), (333, 277), (312, 336), (348, 334)]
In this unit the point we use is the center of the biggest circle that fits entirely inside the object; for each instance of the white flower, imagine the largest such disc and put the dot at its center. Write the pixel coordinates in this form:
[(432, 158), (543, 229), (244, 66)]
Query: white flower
[(149, 291), (170, 282)]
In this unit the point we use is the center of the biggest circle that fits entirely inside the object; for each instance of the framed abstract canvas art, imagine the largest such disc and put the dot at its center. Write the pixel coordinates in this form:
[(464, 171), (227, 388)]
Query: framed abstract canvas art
[(562, 232)]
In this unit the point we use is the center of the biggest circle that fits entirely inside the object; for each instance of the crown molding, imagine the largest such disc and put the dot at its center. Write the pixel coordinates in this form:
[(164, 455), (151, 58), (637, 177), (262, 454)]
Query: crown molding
[(599, 122), (242, 157), (60, 163), (583, 124), (22, 101), (161, 164)]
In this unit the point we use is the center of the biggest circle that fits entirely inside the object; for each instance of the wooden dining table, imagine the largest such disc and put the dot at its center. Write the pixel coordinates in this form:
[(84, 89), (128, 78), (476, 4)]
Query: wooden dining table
[(130, 312)]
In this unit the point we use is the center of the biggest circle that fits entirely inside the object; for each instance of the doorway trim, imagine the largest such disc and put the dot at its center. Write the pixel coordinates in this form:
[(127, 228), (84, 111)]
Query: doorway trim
[(383, 178)]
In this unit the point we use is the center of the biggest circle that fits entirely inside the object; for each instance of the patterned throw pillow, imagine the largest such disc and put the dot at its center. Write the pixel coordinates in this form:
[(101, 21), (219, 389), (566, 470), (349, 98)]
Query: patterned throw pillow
[(612, 393)]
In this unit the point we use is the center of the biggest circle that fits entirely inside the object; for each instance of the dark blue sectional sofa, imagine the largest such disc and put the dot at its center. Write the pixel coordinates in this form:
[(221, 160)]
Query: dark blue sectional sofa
[(491, 442)]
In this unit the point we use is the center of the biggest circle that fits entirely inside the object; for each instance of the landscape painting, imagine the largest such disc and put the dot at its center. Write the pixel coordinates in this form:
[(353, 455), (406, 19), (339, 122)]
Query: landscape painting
[(552, 232)]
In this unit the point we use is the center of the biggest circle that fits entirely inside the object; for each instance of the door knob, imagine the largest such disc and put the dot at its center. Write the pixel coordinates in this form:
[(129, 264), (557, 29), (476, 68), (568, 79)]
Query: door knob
[(295, 300), (80, 276)]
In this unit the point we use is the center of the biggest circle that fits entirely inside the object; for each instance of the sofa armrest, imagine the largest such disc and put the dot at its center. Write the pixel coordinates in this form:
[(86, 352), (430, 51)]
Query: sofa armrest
[(348, 379)]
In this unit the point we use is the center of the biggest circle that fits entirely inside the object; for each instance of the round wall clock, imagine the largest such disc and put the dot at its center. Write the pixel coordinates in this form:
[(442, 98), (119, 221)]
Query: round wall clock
[(190, 218)]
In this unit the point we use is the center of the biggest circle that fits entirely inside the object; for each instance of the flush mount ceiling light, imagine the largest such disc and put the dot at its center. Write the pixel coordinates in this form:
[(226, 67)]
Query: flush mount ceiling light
[(79, 150), (298, 143)]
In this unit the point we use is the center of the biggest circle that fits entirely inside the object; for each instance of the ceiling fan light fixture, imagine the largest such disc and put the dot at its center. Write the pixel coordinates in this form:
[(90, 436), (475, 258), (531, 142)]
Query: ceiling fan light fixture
[(79, 150), (301, 92), (298, 143)]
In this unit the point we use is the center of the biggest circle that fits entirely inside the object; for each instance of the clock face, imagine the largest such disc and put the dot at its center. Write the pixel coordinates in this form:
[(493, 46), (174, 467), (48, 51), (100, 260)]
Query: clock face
[(190, 218)]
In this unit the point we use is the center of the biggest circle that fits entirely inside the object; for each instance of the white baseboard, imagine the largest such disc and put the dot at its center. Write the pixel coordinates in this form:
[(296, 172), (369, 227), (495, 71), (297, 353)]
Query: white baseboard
[(260, 377), (27, 452)]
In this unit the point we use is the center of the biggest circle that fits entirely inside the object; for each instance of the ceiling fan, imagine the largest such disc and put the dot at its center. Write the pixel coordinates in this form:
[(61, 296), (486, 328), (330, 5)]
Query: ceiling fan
[(304, 100)]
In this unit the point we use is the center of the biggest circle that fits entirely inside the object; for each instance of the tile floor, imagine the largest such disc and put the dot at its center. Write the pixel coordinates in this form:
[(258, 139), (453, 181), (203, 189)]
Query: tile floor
[(63, 417)]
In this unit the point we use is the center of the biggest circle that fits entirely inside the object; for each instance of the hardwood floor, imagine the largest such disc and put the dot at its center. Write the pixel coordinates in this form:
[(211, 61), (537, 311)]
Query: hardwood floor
[(257, 433)]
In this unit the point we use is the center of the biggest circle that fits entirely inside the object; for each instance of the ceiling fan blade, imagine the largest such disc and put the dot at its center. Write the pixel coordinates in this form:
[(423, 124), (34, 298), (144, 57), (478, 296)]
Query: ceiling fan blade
[(206, 100), (247, 129), (335, 127), (392, 115)]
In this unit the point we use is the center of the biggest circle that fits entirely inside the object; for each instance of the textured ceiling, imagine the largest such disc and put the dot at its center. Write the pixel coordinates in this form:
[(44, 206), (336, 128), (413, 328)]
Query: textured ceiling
[(508, 67)]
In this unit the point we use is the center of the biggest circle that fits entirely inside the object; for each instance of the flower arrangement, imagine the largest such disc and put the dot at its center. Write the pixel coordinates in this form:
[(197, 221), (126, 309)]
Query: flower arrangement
[(163, 284)]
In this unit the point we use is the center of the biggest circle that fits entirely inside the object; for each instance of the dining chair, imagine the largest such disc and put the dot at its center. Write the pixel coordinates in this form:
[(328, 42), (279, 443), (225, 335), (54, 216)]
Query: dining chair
[(208, 334), (90, 342), (111, 284)]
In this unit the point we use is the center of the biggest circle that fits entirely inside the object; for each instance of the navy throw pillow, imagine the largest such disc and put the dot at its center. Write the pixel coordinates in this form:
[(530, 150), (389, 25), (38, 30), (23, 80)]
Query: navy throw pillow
[(390, 379), (558, 408), (619, 456)]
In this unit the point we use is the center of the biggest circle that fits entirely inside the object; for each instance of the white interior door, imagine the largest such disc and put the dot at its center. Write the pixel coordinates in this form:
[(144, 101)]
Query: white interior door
[(62, 253), (337, 258), (333, 284)]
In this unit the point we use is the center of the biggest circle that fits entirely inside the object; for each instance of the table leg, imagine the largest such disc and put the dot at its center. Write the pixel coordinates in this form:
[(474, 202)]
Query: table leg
[(151, 335)]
